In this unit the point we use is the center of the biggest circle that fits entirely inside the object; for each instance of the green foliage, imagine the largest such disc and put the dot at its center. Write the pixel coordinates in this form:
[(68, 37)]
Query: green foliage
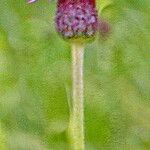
[(2, 140), (35, 78)]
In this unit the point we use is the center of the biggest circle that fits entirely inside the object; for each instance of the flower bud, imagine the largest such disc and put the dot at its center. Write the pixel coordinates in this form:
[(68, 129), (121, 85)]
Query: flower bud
[(104, 28), (76, 19)]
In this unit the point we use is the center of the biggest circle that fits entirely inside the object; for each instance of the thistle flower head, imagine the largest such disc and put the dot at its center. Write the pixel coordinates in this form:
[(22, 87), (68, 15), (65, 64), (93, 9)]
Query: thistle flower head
[(76, 19)]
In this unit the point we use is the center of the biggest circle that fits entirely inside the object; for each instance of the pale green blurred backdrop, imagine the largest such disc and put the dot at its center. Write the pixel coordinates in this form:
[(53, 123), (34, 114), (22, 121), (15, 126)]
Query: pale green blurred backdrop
[(35, 78)]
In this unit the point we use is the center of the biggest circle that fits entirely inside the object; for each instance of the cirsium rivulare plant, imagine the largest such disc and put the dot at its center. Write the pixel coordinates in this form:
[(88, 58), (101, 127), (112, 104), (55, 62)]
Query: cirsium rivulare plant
[(77, 22)]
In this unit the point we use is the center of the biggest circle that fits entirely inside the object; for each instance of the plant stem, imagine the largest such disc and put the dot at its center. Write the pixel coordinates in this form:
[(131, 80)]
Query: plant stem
[(76, 126)]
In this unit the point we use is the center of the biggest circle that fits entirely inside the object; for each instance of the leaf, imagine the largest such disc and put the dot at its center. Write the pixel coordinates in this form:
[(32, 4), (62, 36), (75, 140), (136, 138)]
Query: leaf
[(103, 4)]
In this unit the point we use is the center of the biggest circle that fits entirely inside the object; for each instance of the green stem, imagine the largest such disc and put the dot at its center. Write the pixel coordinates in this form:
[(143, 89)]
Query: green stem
[(76, 126)]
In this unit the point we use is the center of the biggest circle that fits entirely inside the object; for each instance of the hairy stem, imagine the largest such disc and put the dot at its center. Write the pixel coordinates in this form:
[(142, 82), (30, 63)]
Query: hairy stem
[(76, 126)]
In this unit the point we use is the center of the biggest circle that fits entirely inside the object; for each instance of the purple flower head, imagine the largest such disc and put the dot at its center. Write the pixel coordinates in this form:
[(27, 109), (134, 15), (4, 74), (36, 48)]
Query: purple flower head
[(76, 19), (31, 1)]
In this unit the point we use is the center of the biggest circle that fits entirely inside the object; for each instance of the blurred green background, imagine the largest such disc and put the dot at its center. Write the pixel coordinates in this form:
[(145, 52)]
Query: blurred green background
[(35, 78)]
